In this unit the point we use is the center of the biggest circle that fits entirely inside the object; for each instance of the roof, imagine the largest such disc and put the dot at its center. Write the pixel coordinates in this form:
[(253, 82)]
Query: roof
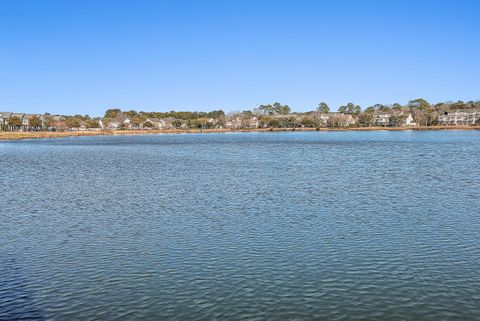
[(19, 115), (463, 111), (5, 114), (30, 116)]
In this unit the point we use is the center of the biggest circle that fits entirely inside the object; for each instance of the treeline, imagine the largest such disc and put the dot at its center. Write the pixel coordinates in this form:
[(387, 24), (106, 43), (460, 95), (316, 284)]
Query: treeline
[(414, 112), (183, 115)]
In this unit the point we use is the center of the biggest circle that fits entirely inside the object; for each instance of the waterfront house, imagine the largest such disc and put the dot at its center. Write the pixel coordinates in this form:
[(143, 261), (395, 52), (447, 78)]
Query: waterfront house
[(253, 122), (409, 121), (112, 125), (324, 118), (234, 122), (19, 116), (335, 119), (4, 117), (59, 123), (157, 123), (402, 118), (26, 122), (212, 122), (459, 117), (381, 118), (127, 123), (169, 122)]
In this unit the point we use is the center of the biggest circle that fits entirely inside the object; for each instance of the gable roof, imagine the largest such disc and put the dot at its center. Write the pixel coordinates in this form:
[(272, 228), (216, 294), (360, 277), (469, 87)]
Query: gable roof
[(30, 116)]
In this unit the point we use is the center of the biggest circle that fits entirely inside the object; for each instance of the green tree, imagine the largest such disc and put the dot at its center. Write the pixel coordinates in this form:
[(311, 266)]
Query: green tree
[(131, 113), (266, 109), (350, 108), (148, 124), (135, 122), (275, 109), (15, 121), (365, 119), (112, 113), (419, 103), (247, 113), (323, 107), (72, 122), (395, 121), (281, 109), (458, 105), (35, 122), (309, 121), (177, 123), (48, 120), (93, 123), (396, 106)]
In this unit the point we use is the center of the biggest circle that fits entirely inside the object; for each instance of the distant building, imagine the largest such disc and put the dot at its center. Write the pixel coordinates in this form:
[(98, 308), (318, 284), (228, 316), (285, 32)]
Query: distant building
[(4, 117), (169, 122), (459, 117), (156, 122), (254, 122), (26, 125), (409, 121), (381, 118), (58, 123), (234, 122)]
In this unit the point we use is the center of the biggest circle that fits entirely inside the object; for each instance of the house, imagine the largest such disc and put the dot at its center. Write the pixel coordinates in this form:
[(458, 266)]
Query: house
[(381, 118), (254, 122), (26, 121), (324, 117), (169, 122), (459, 117), (234, 122), (336, 119), (112, 125), (4, 117), (402, 118), (19, 116), (127, 123), (409, 121), (156, 122), (59, 123), (212, 123)]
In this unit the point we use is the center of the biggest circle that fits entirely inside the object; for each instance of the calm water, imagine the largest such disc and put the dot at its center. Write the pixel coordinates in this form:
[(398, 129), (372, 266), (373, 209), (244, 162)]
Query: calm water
[(253, 226)]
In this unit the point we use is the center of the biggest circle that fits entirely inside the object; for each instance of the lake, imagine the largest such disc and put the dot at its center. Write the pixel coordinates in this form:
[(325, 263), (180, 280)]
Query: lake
[(243, 226)]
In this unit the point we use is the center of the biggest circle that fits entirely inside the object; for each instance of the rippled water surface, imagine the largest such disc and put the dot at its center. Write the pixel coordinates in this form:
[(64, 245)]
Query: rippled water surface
[(253, 226)]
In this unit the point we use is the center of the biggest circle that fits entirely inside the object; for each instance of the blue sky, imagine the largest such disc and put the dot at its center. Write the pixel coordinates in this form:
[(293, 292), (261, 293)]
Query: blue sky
[(86, 56)]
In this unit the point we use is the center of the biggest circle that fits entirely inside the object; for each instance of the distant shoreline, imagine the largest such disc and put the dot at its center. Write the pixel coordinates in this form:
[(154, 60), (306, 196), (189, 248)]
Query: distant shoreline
[(35, 135)]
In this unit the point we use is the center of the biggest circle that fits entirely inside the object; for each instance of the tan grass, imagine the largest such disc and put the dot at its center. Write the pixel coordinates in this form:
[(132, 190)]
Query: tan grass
[(32, 135)]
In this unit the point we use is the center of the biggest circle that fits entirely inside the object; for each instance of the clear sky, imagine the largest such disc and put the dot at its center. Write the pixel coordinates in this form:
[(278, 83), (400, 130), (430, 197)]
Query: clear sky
[(86, 56)]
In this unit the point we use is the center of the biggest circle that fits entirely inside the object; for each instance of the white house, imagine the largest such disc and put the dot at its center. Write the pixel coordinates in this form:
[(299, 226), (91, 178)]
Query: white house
[(409, 120), (4, 116), (381, 118), (459, 117)]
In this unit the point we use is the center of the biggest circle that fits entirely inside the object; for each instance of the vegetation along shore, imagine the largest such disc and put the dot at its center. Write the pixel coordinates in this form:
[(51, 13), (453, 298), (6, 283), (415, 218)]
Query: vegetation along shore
[(417, 114)]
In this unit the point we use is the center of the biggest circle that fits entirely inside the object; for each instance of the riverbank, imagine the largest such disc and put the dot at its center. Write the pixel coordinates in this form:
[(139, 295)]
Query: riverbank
[(34, 135)]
